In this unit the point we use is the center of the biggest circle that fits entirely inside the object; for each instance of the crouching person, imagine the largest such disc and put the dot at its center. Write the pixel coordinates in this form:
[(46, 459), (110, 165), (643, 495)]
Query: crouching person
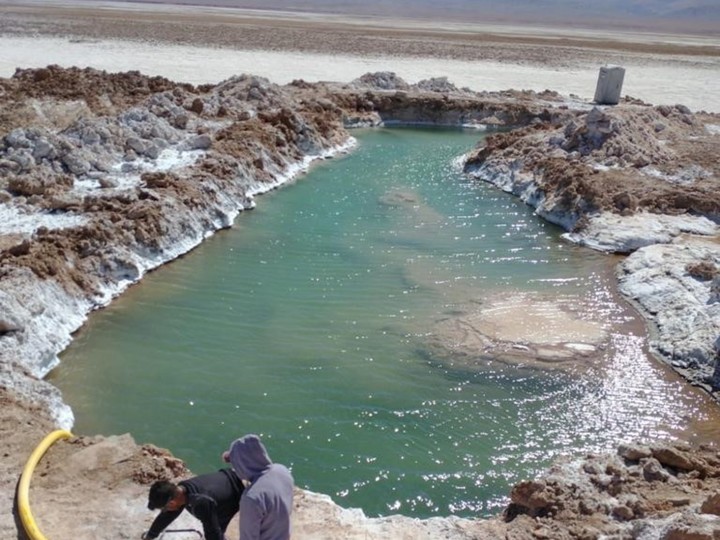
[(267, 502), (213, 498)]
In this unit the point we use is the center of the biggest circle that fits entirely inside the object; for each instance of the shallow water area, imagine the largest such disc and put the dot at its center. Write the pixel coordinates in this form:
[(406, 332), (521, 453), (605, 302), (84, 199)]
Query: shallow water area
[(312, 322)]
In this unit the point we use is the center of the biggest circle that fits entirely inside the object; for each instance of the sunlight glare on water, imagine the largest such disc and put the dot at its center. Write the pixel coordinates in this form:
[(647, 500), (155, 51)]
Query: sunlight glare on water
[(318, 322)]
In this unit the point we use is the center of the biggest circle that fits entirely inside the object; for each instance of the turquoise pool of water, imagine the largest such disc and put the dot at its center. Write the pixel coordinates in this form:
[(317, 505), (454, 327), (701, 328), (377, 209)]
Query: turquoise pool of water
[(306, 323)]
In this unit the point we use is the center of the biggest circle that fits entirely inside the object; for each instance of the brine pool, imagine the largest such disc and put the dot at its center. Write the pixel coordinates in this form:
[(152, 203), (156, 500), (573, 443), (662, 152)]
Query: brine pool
[(313, 323)]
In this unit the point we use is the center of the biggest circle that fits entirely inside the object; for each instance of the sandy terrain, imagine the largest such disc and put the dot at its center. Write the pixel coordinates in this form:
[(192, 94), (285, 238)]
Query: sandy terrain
[(108, 480)]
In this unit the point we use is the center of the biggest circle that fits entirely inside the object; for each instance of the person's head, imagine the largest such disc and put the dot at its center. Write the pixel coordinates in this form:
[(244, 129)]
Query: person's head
[(248, 457), (165, 496)]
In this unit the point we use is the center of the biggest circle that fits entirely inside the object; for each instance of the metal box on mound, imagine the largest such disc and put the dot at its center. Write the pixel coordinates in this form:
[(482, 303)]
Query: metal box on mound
[(609, 85)]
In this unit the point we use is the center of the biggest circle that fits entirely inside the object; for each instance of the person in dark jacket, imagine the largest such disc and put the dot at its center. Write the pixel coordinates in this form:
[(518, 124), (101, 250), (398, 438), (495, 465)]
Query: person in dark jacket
[(266, 505), (212, 498)]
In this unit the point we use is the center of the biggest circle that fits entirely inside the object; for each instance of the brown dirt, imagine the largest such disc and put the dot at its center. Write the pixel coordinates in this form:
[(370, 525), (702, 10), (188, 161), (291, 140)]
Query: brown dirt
[(86, 487), (667, 138), (22, 426)]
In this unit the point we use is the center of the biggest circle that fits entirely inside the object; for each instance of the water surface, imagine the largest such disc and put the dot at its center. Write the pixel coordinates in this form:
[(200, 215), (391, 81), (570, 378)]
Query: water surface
[(307, 323)]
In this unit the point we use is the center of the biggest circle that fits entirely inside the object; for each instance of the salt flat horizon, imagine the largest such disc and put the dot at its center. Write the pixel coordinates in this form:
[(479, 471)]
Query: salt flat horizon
[(694, 17), (508, 26)]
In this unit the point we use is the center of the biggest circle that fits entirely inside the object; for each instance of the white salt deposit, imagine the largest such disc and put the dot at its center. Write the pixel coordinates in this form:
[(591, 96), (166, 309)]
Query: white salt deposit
[(47, 315), (169, 159), (685, 176), (615, 233), (15, 221), (294, 169)]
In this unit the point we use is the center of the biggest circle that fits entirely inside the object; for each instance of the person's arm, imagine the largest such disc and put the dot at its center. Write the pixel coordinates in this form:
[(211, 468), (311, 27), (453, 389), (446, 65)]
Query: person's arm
[(205, 509), (251, 516), (162, 520)]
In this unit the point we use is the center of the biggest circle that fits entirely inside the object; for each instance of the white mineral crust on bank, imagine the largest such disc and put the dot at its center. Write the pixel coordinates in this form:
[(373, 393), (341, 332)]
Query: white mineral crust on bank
[(686, 322)]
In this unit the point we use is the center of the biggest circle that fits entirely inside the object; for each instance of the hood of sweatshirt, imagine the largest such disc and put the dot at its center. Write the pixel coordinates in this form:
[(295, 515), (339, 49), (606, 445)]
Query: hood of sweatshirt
[(248, 457)]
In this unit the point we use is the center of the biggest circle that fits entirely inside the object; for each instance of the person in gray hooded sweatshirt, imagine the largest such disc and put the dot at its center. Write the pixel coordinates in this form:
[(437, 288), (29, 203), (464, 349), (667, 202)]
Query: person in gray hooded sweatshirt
[(267, 502)]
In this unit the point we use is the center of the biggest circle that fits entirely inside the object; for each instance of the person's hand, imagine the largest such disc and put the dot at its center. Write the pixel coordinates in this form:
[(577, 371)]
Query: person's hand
[(226, 456)]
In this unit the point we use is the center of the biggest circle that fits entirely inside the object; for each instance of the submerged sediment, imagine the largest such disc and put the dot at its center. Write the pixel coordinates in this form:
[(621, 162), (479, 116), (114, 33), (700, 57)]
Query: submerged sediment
[(106, 176)]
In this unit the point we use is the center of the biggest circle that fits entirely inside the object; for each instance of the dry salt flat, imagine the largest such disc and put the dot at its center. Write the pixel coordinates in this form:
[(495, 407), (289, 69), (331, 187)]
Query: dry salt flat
[(691, 81)]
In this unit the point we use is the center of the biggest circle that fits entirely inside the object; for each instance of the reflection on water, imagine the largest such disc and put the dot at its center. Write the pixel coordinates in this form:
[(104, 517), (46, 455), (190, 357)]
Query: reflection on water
[(312, 323)]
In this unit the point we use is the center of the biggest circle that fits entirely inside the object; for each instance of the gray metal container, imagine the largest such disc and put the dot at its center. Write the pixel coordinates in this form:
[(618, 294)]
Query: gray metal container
[(609, 85)]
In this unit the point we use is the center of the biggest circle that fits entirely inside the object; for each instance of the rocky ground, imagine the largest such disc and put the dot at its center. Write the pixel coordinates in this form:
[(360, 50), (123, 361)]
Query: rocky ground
[(105, 176)]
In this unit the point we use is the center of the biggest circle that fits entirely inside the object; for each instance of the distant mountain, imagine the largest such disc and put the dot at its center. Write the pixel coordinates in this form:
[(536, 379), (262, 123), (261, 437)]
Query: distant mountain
[(702, 16)]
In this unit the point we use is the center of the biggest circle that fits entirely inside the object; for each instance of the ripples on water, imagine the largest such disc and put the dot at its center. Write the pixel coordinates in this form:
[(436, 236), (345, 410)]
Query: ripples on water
[(308, 323)]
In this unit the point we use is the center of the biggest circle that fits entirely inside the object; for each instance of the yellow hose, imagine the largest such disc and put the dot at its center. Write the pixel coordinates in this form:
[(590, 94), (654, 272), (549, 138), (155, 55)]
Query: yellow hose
[(23, 497)]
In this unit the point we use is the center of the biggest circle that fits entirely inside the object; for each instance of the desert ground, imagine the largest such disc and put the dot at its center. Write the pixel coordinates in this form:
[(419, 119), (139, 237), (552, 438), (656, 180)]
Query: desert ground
[(207, 45), (198, 46)]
